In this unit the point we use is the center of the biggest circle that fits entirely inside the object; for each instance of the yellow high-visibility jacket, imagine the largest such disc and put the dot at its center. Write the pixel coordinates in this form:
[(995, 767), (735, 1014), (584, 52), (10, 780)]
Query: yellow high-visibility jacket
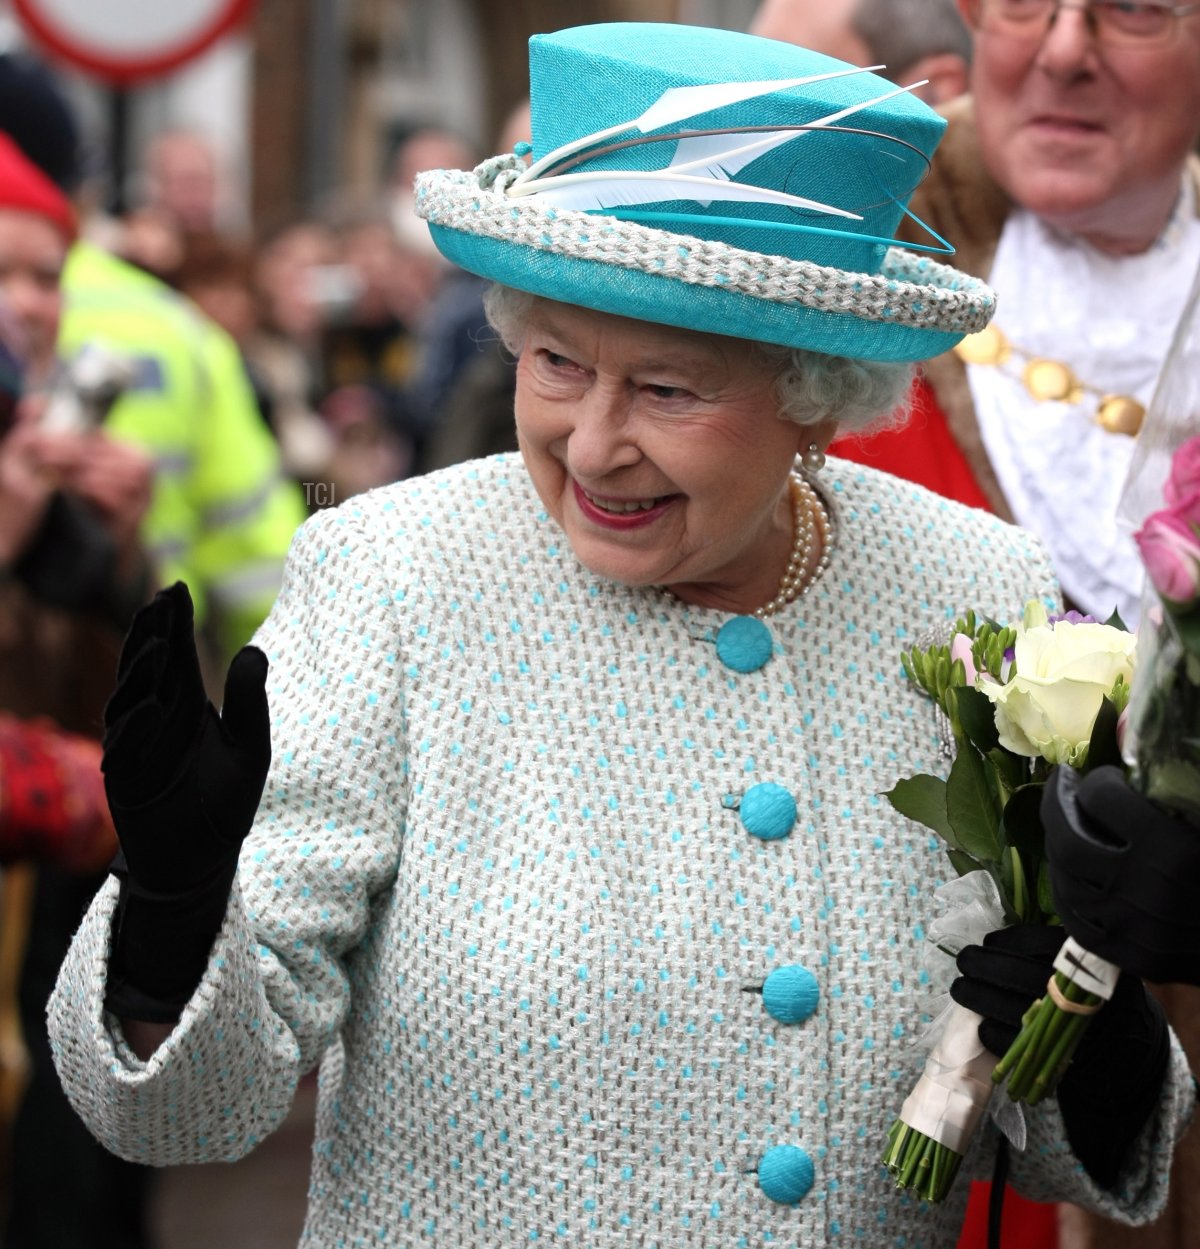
[(222, 515)]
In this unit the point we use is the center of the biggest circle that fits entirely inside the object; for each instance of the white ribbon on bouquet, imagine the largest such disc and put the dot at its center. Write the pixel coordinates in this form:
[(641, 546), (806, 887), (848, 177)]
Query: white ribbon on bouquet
[(954, 1091)]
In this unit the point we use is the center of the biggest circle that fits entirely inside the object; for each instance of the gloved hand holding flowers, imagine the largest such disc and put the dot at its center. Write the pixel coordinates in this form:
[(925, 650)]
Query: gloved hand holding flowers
[(1045, 719), (1016, 701)]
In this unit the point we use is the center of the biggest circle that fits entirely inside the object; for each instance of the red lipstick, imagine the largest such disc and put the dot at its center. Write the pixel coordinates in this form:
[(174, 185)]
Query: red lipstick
[(619, 520)]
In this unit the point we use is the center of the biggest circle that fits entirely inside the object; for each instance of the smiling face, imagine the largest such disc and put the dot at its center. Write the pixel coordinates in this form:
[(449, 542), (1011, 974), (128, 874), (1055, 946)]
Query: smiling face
[(1089, 137), (660, 453)]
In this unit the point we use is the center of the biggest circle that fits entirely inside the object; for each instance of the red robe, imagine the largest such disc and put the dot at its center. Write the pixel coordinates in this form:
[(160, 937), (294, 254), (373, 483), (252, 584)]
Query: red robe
[(922, 450)]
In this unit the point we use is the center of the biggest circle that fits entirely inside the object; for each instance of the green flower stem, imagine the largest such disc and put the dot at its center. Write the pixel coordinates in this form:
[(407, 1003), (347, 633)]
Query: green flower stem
[(1045, 1045), (1043, 1040), (921, 1164), (1037, 1027), (1020, 900), (1016, 1058), (1059, 1058)]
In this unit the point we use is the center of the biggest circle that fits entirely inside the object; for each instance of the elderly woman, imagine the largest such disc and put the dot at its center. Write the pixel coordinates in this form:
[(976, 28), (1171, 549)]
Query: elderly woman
[(570, 869)]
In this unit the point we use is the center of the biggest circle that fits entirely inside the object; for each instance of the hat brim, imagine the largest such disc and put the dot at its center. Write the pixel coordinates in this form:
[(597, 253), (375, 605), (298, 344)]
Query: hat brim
[(914, 308)]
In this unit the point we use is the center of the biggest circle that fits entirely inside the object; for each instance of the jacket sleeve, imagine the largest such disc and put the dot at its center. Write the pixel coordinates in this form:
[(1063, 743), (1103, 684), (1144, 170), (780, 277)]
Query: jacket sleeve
[(1047, 1170), (323, 851)]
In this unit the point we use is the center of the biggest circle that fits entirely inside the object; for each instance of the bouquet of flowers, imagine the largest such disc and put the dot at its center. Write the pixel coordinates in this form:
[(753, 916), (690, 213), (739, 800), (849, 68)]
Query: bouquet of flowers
[(1160, 730), (1015, 701), (1161, 739)]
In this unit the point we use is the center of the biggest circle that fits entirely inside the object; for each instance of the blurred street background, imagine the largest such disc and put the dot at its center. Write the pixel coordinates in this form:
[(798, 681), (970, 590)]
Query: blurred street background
[(248, 323)]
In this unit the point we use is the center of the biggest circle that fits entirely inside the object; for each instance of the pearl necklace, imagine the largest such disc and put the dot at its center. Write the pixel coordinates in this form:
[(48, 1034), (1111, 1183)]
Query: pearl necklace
[(809, 516)]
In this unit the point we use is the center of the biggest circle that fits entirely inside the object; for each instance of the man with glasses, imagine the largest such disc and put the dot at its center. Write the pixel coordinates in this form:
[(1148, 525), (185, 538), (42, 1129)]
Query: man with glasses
[(1086, 112), (1067, 180)]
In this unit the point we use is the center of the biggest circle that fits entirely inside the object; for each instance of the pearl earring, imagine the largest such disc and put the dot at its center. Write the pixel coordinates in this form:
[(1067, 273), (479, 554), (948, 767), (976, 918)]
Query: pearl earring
[(813, 459)]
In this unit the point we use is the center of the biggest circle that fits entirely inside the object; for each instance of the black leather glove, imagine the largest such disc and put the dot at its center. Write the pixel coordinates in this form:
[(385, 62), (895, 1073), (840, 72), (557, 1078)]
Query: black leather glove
[(183, 784), (1125, 875), (1110, 1089)]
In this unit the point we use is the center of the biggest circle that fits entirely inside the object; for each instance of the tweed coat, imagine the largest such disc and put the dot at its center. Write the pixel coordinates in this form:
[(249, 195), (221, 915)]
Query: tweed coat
[(500, 888)]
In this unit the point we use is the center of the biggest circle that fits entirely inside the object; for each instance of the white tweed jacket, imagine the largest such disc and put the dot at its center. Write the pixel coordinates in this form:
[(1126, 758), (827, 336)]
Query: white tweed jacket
[(500, 889)]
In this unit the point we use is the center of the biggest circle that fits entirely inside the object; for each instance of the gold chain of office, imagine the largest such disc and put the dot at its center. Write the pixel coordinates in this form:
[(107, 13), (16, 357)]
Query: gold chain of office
[(1051, 381)]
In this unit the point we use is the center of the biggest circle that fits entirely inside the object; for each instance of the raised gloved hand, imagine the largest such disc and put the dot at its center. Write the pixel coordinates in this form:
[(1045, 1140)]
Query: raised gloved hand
[(1110, 1089), (183, 784), (1125, 875)]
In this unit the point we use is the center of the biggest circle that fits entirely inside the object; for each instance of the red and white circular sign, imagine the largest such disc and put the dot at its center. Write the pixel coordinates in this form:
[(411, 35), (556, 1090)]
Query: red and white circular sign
[(124, 41)]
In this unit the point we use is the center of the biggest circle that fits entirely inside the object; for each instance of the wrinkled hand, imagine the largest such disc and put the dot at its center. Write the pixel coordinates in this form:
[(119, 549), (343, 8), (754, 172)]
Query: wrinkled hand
[(1125, 875), (1109, 1090), (183, 784)]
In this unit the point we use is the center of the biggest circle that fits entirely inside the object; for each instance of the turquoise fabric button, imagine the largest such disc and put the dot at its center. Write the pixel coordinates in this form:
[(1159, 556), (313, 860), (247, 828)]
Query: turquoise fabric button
[(767, 811), (790, 994), (744, 644), (785, 1174)]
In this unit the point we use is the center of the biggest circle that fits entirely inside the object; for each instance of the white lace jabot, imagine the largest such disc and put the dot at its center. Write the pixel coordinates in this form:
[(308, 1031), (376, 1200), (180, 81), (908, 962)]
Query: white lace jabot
[(1111, 320)]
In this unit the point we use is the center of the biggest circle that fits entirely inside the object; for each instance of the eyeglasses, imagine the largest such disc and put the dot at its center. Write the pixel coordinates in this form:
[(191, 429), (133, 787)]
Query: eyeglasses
[(1116, 23)]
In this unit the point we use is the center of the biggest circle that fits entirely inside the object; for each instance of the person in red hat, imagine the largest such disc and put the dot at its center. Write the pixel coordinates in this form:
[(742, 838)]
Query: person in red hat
[(37, 226), (43, 454)]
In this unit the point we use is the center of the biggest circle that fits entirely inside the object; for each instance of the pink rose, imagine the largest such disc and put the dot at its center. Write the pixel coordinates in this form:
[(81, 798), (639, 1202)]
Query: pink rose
[(1171, 552), (1182, 488)]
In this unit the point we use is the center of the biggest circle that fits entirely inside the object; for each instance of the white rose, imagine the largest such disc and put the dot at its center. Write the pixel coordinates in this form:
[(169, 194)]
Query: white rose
[(1063, 673)]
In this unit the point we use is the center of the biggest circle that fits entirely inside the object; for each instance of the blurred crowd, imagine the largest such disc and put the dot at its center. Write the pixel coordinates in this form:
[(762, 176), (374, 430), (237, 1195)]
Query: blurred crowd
[(175, 396), (351, 328)]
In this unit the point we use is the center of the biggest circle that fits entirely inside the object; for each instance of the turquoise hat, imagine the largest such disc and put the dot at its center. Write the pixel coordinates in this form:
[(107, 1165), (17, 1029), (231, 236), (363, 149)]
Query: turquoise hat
[(714, 181)]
